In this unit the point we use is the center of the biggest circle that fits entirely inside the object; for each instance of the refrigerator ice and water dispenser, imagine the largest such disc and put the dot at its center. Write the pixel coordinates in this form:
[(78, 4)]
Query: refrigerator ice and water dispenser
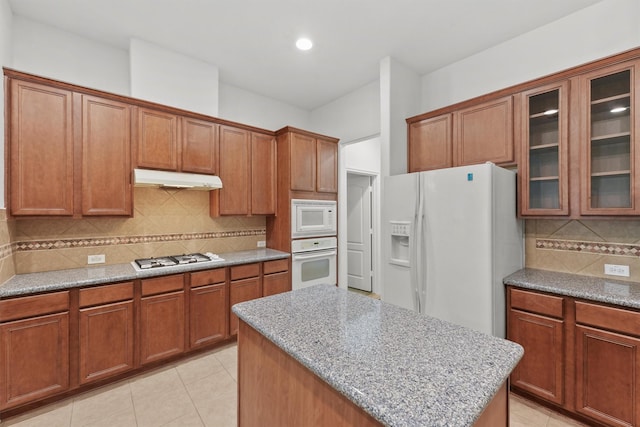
[(400, 233)]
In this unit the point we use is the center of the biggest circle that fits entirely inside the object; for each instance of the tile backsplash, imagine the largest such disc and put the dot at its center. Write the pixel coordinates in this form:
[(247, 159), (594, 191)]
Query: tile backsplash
[(178, 221), (165, 221), (7, 266), (583, 246)]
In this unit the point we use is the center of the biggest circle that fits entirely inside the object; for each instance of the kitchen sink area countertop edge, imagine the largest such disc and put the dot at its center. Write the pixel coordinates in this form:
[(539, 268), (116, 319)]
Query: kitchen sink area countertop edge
[(598, 289), (32, 283), (401, 367)]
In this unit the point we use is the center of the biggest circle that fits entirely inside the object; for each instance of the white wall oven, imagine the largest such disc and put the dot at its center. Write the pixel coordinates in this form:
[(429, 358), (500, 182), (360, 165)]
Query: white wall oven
[(313, 218), (313, 262)]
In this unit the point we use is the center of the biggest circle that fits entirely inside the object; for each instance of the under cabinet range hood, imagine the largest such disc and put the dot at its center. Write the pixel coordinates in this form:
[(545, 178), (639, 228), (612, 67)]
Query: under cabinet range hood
[(191, 181)]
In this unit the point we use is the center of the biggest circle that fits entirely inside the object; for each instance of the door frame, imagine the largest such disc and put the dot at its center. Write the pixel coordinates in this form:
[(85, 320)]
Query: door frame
[(376, 252), (371, 212)]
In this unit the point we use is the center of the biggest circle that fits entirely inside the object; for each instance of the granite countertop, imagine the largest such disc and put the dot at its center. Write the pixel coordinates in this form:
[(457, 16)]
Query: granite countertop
[(598, 289), (401, 367), (25, 284)]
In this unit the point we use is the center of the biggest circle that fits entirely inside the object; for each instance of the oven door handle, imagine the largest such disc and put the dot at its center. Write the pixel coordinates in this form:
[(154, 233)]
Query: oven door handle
[(324, 254)]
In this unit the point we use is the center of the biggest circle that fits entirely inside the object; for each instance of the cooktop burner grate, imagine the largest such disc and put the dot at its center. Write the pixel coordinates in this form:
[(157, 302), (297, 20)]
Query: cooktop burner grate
[(168, 261)]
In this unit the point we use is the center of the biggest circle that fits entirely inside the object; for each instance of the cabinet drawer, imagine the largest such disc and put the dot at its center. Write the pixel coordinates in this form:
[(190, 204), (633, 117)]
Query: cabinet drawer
[(537, 303), (245, 271), (19, 308), (277, 266), (208, 277), (162, 284), (106, 294), (615, 319)]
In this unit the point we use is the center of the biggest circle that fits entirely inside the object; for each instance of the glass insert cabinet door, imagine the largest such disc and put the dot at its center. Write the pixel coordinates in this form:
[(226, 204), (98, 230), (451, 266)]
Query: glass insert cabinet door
[(609, 161), (544, 130)]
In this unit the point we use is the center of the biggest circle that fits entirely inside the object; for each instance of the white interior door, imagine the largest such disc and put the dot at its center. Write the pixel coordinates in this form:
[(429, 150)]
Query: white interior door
[(359, 232)]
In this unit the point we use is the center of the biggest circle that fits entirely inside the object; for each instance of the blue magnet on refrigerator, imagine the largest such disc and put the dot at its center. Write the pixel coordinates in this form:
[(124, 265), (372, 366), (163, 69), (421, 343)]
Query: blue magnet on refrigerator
[(470, 176)]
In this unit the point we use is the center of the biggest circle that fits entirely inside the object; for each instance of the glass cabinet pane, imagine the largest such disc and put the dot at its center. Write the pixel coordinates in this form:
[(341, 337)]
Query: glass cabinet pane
[(610, 141), (544, 162)]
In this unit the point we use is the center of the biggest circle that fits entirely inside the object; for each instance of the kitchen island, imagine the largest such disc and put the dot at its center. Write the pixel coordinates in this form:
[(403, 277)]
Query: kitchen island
[(325, 356)]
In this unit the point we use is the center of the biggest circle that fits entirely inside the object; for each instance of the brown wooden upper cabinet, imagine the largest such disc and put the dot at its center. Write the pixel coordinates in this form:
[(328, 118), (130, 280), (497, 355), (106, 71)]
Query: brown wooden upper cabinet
[(263, 174), (248, 173), (157, 140), (49, 153), (430, 144), (474, 134), (484, 133), (543, 131), (170, 142), (41, 150), (609, 161), (106, 157), (326, 166), (199, 146), (313, 162)]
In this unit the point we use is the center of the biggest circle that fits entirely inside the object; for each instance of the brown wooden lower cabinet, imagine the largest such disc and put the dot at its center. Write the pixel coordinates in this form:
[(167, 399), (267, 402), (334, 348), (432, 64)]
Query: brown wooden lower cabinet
[(240, 291), (590, 355), (106, 340), (113, 323), (208, 311), (105, 331), (275, 277), (607, 376), (34, 348), (34, 358), (208, 315), (541, 369), (275, 283), (161, 326)]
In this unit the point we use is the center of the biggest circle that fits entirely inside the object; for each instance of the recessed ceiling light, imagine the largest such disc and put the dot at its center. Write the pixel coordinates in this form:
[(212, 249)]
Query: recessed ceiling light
[(304, 43)]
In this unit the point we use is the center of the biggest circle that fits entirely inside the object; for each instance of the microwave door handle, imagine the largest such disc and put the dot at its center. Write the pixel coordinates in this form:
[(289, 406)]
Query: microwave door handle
[(316, 255)]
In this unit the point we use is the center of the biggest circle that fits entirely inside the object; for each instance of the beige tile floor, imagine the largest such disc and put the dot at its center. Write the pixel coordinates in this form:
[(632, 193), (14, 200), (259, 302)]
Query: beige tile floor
[(196, 392)]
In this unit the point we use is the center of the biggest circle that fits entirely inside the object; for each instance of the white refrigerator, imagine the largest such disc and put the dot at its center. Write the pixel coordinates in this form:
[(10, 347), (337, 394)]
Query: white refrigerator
[(450, 237)]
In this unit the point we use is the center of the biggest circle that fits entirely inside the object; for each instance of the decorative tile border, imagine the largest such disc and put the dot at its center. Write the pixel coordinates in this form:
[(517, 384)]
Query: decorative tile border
[(603, 248), (38, 245), (6, 250)]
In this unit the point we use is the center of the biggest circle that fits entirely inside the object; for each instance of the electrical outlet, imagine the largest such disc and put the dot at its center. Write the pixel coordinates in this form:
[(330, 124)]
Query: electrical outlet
[(96, 259), (262, 244), (616, 270)]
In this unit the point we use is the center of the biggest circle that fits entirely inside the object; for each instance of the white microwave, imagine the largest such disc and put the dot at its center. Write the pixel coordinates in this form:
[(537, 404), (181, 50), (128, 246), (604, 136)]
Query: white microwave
[(312, 218)]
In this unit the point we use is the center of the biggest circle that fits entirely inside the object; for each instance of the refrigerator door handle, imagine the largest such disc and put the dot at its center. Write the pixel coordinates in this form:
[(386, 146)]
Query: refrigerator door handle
[(418, 238)]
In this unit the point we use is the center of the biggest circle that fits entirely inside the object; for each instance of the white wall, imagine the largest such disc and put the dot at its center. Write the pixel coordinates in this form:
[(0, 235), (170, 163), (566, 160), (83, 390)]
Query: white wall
[(607, 27), (350, 117), (170, 78), (6, 26), (246, 107), (47, 51), (399, 99)]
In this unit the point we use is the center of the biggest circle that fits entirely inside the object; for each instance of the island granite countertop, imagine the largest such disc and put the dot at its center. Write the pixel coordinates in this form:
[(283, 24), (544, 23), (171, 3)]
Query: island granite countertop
[(31, 283), (401, 367), (618, 292)]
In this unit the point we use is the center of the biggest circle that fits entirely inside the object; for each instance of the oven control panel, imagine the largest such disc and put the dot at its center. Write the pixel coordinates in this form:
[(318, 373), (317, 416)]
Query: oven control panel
[(315, 244)]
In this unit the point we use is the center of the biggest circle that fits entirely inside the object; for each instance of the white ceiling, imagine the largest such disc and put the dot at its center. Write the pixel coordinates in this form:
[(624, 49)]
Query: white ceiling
[(252, 41)]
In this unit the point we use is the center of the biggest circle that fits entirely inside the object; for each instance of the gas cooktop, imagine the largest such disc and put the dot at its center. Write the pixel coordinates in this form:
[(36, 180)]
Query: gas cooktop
[(173, 260)]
